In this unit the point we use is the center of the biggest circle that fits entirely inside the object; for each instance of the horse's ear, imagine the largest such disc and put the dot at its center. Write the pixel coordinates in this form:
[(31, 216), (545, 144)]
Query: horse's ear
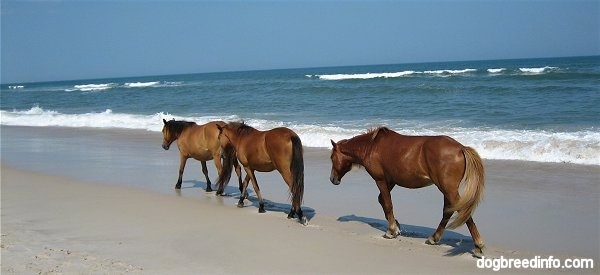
[(333, 143), (164, 121)]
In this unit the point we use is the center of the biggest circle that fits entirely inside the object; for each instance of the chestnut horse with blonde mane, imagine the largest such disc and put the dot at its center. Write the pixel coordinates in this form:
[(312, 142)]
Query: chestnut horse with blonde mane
[(414, 162), (200, 142), (264, 151)]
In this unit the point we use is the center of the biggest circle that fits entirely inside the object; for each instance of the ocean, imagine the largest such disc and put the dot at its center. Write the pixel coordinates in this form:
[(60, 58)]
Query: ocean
[(543, 110)]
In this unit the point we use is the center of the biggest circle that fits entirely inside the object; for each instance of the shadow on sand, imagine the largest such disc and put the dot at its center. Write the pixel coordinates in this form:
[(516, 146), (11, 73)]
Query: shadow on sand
[(459, 243), (233, 191), (272, 206), (194, 184)]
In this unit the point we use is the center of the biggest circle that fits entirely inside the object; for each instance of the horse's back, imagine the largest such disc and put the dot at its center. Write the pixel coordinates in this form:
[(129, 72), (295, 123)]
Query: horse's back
[(208, 131), (201, 141), (282, 133), (278, 144), (435, 146), (280, 137), (211, 131), (416, 160)]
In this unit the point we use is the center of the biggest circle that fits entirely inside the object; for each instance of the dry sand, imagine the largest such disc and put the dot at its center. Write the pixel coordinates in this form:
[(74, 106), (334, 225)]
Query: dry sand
[(54, 224)]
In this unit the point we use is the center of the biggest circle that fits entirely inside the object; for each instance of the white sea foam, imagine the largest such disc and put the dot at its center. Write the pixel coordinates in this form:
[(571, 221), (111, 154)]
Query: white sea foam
[(390, 75), (172, 83), (141, 84), (106, 86), (537, 70), (580, 147), (91, 87), (496, 71), (364, 76), (438, 73), (463, 71)]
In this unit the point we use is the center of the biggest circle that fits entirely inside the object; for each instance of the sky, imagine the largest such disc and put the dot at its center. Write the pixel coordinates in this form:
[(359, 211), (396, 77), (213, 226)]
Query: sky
[(69, 40)]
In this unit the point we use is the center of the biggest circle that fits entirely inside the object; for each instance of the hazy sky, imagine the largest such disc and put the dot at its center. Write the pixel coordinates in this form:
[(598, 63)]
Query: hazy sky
[(61, 40)]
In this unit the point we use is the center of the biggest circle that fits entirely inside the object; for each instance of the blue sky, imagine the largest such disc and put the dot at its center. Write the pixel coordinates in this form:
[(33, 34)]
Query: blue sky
[(63, 40)]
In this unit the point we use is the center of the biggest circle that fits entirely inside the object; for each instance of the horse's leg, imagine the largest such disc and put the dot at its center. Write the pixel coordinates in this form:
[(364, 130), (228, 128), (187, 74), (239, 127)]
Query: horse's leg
[(205, 171), (261, 203), (238, 171), (477, 241), (182, 161), (219, 165), (385, 199), (295, 209), (437, 235), (244, 192)]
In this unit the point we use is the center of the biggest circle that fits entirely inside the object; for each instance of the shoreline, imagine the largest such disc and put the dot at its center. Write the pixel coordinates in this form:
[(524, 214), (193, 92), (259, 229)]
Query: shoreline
[(107, 213)]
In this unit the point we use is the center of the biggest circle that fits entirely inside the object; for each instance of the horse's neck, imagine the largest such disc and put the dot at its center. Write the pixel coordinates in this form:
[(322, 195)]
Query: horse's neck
[(246, 132), (236, 136), (183, 126), (358, 148)]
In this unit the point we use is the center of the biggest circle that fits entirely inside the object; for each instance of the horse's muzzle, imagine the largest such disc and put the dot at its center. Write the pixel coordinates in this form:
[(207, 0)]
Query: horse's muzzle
[(165, 146), (334, 180)]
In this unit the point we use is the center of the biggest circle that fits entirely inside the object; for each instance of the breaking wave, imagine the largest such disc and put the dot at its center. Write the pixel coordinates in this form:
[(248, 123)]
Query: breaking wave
[(579, 147), (106, 86), (438, 73)]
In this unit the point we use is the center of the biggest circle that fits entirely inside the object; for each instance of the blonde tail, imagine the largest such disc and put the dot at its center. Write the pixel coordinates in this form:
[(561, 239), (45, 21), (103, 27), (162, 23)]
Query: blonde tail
[(474, 182)]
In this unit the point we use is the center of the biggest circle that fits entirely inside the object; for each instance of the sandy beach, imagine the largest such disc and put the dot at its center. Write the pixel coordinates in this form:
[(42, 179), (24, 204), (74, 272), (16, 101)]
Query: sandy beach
[(102, 202)]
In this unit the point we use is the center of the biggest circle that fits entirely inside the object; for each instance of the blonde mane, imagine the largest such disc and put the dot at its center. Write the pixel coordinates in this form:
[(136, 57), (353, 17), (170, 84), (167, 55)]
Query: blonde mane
[(375, 130)]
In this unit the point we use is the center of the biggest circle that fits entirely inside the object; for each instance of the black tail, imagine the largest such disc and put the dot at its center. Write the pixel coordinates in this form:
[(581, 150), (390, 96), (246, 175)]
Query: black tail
[(228, 156), (297, 168)]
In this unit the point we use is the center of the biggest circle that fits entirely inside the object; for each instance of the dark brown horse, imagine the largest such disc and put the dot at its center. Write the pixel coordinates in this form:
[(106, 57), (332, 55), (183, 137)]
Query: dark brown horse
[(264, 151), (414, 162), (200, 142)]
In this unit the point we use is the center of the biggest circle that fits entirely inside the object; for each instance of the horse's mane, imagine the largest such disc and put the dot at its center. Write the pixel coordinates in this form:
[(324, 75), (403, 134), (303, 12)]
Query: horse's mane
[(240, 127), (179, 125), (376, 130)]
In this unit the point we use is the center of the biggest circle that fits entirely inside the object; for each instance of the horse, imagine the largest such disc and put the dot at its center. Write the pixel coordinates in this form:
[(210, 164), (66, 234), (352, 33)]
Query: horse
[(413, 162), (265, 151), (200, 142)]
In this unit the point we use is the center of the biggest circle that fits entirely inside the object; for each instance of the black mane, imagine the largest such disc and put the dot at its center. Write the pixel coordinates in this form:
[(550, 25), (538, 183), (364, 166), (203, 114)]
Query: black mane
[(241, 127), (178, 126)]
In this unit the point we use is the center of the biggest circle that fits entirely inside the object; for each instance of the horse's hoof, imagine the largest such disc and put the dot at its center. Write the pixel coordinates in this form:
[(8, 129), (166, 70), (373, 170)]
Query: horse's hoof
[(178, 186), (304, 221), (478, 252), (291, 215), (240, 205), (208, 189), (262, 210), (389, 235), (430, 241)]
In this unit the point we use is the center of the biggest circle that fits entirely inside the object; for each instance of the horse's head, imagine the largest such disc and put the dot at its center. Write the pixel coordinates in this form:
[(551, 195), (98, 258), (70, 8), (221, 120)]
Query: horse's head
[(168, 134), (225, 133), (340, 163)]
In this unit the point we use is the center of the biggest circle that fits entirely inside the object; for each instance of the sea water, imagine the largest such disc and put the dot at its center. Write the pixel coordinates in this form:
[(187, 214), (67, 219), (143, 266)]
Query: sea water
[(544, 110)]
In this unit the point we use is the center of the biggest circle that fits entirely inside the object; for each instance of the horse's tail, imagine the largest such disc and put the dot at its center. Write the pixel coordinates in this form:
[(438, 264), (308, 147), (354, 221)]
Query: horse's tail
[(297, 168), (474, 183), (228, 156)]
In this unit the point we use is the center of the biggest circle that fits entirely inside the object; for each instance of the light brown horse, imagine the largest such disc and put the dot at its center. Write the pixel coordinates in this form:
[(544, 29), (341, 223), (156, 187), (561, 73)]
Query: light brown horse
[(200, 142), (264, 151), (414, 162)]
